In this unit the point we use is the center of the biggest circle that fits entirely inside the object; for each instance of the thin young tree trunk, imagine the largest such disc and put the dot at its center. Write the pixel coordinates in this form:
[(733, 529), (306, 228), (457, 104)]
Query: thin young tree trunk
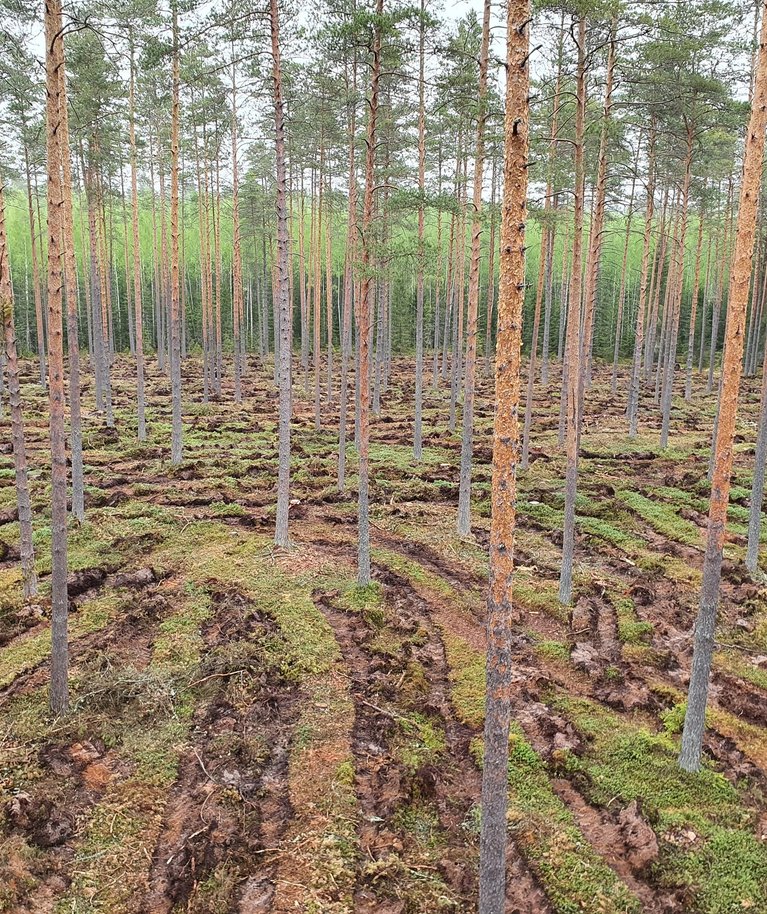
[(624, 261), (418, 419), (216, 208), (501, 615), (317, 293), (552, 204), (26, 548), (302, 292), (757, 300), (175, 317), (449, 290), (693, 310), (491, 274), (572, 366), (437, 280), (379, 339), (632, 410), (329, 291), (363, 306), (281, 537), (654, 294), (73, 341), (126, 261), (456, 367), (757, 485), (36, 284), (237, 303), (760, 316), (564, 293), (740, 279), (54, 61), (138, 320), (717, 309), (467, 440), (351, 221), (597, 226), (676, 303), (542, 256)]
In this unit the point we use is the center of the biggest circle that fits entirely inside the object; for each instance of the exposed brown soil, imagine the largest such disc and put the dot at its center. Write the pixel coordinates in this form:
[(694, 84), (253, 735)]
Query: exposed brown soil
[(229, 806)]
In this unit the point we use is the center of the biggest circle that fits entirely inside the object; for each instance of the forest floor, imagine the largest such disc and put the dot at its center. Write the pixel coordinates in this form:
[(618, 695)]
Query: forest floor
[(251, 732)]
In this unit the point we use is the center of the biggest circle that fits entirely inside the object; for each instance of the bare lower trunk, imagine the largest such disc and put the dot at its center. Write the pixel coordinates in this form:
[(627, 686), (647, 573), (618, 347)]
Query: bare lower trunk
[(693, 311), (418, 419), (622, 292), (138, 321), (676, 301), (364, 306), (757, 485), (573, 368), (467, 440), (281, 537), (26, 549), (175, 315), (542, 256), (348, 282), (73, 342), (632, 410), (237, 289), (597, 228), (732, 365), (501, 614), (54, 61)]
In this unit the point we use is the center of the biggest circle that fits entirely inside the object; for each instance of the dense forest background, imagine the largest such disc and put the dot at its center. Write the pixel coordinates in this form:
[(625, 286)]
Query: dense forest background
[(683, 68)]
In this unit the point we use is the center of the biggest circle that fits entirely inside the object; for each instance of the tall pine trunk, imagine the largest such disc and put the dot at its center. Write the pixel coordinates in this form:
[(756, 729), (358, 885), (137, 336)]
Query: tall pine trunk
[(26, 548), (54, 61), (501, 614), (348, 289), (138, 319), (283, 303), (632, 410), (418, 419), (572, 367), (175, 303), (732, 365), (467, 441), (73, 342), (364, 306)]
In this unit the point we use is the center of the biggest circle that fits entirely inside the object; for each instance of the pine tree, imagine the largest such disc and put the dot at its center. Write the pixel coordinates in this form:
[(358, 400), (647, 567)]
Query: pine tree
[(281, 537), (365, 300), (740, 281), (501, 614), (54, 62), (11, 367)]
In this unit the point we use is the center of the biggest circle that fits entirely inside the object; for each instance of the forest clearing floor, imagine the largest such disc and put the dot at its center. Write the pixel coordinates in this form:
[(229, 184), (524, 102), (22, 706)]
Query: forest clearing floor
[(252, 732)]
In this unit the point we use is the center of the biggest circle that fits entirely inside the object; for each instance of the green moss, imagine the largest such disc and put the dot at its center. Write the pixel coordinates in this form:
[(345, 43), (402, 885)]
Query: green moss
[(29, 650), (552, 650), (724, 867), (412, 570), (611, 534), (662, 518), (129, 815), (576, 879), (732, 662), (538, 595), (631, 630), (227, 509), (467, 679), (366, 600), (421, 741), (542, 515)]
